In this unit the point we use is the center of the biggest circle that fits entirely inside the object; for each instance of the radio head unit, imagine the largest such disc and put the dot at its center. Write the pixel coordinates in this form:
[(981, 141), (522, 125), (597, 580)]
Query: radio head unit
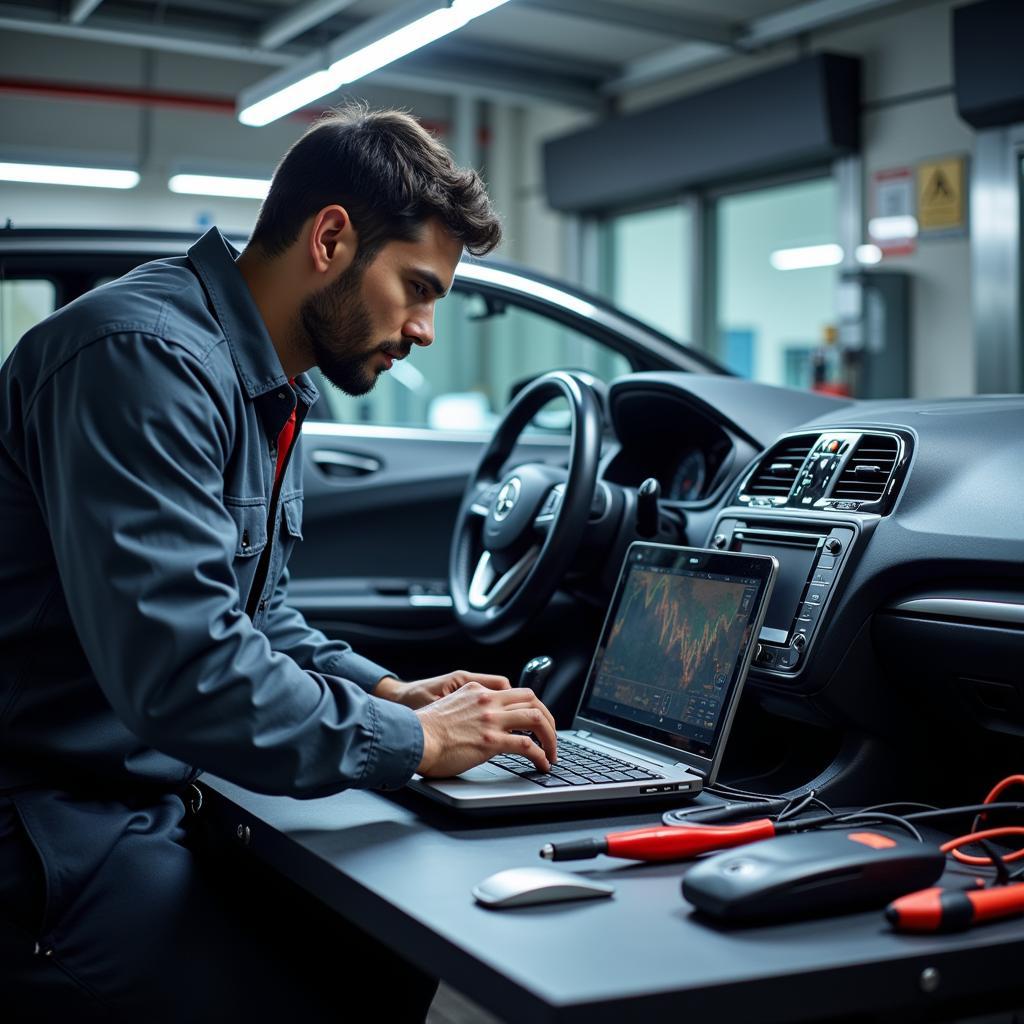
[(811, 557)]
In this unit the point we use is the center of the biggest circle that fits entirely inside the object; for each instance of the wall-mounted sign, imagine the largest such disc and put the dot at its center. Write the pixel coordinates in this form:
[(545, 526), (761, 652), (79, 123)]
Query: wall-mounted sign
[(941, 198), (893, 224)]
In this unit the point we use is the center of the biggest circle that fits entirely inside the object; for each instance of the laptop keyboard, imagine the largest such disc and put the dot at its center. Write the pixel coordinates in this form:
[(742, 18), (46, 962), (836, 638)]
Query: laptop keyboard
[(576, 766)]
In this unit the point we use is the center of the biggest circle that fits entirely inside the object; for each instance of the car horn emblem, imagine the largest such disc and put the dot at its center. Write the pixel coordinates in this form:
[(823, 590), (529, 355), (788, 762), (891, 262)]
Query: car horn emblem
[(506, 500)]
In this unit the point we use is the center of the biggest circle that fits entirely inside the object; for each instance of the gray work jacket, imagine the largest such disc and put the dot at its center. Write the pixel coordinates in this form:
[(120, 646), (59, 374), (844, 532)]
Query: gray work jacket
[(138, 431)]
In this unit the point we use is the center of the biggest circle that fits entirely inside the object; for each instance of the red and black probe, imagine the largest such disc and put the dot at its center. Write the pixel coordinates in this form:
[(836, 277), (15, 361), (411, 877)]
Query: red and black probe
[(948, 910), (929, 911), (678, 842)]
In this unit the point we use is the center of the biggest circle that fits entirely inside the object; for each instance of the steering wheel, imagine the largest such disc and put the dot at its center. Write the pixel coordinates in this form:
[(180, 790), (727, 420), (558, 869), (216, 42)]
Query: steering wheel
[(518, 529)]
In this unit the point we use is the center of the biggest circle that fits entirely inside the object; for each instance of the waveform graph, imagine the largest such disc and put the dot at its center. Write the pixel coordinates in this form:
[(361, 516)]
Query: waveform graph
[(673, 645)]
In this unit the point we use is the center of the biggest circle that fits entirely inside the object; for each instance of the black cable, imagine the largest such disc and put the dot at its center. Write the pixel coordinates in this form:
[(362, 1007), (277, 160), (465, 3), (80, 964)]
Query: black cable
[(724, 789), (1002, 871), (900, 803), (796, 805), (895, 819), (967, 809)]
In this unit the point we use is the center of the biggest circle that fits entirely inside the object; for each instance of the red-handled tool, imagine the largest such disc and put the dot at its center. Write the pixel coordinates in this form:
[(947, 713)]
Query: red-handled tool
[(676, 843), (952, 910)]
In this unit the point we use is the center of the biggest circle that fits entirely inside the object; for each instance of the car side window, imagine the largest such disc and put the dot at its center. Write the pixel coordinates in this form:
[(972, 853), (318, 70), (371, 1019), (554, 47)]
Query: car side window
[(483, 348), (23, 303)]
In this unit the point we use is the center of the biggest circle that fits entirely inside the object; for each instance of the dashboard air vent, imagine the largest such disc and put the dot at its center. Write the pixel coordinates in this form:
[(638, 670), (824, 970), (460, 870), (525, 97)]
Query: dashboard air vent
[(866, 474), (776, 472)]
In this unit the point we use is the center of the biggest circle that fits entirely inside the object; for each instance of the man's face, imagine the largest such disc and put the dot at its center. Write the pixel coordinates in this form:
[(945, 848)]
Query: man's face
[(374, 313)]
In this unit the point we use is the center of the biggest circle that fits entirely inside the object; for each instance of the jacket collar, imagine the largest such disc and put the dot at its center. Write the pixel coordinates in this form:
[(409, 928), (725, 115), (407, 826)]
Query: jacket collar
[(254, 355)]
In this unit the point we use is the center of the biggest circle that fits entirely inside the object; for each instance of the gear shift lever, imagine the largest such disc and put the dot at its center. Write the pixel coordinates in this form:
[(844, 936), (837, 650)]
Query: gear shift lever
[(535, 674), (647, 507)]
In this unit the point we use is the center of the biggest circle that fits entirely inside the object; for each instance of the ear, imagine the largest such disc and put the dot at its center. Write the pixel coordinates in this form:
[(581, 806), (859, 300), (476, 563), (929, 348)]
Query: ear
[(332, 241)]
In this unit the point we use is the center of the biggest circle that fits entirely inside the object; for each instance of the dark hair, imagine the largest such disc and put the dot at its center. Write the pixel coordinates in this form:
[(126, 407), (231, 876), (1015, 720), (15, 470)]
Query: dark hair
[(389, 173)]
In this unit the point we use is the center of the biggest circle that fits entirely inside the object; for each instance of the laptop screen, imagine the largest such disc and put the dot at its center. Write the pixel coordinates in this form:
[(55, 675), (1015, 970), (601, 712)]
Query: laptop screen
[(673, 648)]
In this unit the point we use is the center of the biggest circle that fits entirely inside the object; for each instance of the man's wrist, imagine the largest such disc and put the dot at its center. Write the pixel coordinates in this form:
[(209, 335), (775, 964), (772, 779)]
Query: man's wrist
[(389, 688)]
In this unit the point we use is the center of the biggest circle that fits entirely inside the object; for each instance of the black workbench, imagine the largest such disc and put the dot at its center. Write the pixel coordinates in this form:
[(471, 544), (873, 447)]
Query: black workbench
[(404, 872)]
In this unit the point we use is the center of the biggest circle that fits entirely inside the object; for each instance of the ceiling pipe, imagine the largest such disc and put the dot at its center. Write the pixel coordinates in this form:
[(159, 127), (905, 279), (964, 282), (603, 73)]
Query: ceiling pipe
[(81, 9), (159, 98), (290, 24), (113, 94)]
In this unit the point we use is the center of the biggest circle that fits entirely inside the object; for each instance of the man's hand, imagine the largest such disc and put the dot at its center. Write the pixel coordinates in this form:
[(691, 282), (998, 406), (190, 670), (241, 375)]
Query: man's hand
[(473, 723), (421, 692)]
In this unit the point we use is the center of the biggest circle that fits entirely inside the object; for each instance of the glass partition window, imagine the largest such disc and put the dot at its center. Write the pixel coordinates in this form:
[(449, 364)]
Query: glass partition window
[(23, 303), (648, 267), (483, 348), (777, 279)]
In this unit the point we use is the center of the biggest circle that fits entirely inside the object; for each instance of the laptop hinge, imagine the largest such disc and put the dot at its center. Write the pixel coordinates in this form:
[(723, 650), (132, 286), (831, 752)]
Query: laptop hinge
[(689, 768), (582, 733)]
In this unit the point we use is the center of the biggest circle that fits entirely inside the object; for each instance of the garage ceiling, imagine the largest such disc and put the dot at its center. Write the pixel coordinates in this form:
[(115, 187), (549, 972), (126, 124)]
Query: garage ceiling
[(577, 52)]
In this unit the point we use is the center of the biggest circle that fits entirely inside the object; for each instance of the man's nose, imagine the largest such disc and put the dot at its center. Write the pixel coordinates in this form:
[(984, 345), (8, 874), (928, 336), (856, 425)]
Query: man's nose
[(420, 328)]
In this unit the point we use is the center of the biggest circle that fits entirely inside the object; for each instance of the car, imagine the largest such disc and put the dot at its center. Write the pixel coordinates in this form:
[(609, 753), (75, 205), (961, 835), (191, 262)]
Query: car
[(889, 664)]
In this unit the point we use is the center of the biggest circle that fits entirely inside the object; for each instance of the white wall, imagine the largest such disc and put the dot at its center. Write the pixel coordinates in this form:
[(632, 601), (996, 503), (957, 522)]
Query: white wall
[(903, 54)]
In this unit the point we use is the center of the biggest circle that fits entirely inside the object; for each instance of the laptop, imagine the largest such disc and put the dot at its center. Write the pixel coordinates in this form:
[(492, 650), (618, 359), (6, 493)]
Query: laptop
[(661, 692)]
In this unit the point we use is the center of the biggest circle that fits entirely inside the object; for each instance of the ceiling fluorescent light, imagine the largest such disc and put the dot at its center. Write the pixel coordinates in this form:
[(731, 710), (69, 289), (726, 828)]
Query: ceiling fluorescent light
[(428, 21), (213, 185), (868, 254), (888, 229), (52, 174), (807, 256)]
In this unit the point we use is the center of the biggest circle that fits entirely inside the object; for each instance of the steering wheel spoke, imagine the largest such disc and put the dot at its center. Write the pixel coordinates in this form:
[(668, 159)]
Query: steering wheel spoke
[(549, 509), (489, 586), (483, 498)]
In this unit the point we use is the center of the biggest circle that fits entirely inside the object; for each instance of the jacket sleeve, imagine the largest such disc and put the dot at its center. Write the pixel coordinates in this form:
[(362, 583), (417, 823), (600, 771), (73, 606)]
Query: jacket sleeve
[(144, 548), (289, 633)]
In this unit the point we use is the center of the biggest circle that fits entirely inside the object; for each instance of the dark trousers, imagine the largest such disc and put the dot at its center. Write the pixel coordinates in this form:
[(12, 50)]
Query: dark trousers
[(127, 911)]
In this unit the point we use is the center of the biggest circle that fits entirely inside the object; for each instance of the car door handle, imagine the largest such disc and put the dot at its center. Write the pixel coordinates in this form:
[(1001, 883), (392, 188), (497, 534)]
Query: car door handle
[(344, 464)]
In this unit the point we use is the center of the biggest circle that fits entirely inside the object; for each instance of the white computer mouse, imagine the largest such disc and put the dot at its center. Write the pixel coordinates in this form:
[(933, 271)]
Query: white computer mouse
[(524, 887)]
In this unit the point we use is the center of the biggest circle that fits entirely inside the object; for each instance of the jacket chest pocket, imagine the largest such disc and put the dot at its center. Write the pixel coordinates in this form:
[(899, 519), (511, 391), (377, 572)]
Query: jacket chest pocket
[(250, 519), (291, 517)]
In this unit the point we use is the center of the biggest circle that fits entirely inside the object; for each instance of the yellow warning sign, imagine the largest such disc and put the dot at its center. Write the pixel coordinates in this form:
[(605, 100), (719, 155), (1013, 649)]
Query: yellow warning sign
[(941, 203)]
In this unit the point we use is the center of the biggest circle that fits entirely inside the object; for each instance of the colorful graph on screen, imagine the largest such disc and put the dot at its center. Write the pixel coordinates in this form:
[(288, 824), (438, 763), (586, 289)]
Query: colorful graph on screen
[(673, 645)]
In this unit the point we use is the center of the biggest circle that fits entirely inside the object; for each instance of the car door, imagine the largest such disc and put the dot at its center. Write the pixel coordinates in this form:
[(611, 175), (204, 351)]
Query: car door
[(384, 473)]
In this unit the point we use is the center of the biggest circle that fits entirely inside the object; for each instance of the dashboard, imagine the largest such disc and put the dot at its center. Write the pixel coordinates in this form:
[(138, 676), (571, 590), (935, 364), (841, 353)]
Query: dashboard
[(898, 526)]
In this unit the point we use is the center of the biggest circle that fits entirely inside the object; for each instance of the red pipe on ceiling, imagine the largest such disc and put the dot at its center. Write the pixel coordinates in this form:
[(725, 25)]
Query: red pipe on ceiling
[(161, 98)]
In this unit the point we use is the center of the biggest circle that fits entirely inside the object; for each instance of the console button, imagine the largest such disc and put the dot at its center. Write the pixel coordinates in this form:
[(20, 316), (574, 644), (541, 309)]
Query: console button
[(833, 545), (815, 594), (809, 613), (799, 643), (826, 562), (823, 576)]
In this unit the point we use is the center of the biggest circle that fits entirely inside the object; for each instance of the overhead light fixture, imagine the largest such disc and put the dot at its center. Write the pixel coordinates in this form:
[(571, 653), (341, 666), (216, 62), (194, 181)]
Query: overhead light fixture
[(868, 254), (888, 229), (807, 256), (365, 49), (54, 174), (215, 185)]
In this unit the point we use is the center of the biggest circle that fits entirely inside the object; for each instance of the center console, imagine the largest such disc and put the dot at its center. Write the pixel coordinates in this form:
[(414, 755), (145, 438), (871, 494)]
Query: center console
[(806, 501), (812, 555)]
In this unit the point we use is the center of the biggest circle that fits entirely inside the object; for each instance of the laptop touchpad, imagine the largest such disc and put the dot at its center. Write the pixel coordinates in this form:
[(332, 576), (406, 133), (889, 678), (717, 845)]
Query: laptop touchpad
[(486, 773)]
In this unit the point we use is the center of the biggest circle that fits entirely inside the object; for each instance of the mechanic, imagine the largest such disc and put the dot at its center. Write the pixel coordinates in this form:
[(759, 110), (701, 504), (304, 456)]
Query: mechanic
[(151, 493)]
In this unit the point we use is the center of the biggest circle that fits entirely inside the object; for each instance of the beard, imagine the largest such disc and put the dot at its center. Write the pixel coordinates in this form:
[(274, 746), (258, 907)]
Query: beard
[(335, 324)]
